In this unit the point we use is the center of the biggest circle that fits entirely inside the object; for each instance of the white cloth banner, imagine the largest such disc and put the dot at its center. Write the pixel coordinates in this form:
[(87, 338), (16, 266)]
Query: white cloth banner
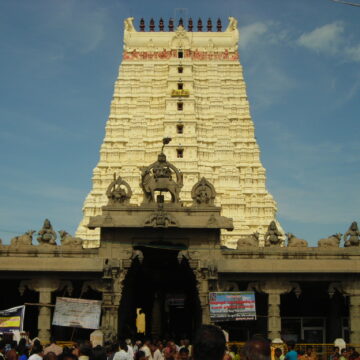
[(79, 313)]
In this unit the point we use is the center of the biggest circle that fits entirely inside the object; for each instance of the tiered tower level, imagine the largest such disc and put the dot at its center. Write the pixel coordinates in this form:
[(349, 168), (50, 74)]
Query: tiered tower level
[(188, 85)]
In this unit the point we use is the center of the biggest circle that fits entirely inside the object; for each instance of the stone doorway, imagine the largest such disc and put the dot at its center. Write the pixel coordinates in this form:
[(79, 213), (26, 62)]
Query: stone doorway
[(165, 290)]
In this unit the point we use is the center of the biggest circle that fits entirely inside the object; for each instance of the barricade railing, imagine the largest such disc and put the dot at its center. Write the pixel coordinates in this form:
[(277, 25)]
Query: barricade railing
[(322, 351)]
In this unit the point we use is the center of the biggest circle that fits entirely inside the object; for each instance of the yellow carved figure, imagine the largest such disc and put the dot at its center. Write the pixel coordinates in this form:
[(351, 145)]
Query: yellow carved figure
[(140, 321)]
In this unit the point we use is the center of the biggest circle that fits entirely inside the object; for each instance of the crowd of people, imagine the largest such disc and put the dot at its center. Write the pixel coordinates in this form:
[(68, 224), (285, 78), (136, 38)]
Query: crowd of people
[(209, 344)]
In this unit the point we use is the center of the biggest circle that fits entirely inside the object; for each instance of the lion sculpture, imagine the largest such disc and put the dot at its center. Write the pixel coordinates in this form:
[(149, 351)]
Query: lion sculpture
[(24, 239), (250, 241), (331, 241), (68, 240), (293, 241)]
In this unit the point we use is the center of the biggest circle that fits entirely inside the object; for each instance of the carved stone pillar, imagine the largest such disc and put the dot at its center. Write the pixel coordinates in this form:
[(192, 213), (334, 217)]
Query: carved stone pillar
[(111, 289), (203, 290), (274, 288), (350, 288), (156, 328), (45, 287)]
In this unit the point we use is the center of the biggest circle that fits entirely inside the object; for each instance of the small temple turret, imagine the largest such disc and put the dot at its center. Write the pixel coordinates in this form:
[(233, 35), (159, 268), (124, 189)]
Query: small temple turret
[(142, 24), (161, 24), (152, 24), (218, 25), (209, 25), (171, 24), (191, 25), (199, 25)]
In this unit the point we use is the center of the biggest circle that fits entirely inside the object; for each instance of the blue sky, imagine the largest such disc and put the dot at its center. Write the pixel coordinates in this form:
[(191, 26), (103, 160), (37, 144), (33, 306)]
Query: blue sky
[(59, 60)]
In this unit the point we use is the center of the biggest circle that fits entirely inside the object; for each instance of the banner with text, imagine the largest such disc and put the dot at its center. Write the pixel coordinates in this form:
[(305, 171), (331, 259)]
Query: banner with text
[(78, 313), (232, 306), (12, 319)]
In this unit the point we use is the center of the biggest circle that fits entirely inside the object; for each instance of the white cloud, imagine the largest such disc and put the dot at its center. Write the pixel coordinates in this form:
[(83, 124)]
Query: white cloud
[(326, 39), (353, 53), (250, 34), (259, 43), (270, 82)]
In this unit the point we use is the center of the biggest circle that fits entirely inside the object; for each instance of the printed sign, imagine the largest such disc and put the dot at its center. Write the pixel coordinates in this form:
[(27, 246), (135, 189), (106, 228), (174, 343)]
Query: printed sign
[(12, 319), (232, 306), (79, 313)]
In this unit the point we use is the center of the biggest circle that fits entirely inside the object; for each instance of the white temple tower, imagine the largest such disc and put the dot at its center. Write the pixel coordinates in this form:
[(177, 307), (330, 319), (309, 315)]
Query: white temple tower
[(188, 85)]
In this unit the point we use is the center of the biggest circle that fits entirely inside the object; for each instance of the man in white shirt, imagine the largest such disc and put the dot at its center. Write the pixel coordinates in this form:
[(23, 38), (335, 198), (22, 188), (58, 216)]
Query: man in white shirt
[(122, 354), (146, 349), (37, 351), (130, 349), (156, 354)]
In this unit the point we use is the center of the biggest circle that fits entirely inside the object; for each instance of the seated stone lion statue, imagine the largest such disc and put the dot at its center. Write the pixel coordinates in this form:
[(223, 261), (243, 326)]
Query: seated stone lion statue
[(68, 240), (24, 239), (250, 241), (331, 241), (293, 241)]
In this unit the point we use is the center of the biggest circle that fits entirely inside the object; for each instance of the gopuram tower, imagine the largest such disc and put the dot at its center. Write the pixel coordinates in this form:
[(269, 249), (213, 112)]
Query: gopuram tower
[(184, 82)]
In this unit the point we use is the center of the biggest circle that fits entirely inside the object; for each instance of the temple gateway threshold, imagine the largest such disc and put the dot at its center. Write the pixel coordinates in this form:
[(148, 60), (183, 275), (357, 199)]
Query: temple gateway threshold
[(157, 248)]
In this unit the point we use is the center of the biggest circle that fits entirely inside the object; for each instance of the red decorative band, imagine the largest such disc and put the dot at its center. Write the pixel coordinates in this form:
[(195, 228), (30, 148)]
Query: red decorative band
[(169, 54)]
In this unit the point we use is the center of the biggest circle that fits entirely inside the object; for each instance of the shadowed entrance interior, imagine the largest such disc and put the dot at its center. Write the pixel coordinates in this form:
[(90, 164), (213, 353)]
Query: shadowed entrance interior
[(166, 292)]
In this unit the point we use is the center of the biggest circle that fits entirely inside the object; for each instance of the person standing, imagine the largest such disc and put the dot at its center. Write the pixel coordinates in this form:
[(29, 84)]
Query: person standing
[(122, 354), (146, 349), (2, 349), (184, 354), (310, 354), (279, 354), (292, 353), (335, 354), (36, 351), (22, 349), (130, 349), (209, 343), (256, 349), (156, 354), (12, 353), (343, 354)]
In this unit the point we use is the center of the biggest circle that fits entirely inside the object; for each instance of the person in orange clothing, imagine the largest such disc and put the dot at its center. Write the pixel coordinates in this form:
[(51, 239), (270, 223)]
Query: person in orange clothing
[(310, 354)]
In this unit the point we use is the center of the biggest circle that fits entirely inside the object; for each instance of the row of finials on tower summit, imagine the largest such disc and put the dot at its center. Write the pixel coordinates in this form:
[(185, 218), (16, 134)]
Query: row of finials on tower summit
[(181, 23)]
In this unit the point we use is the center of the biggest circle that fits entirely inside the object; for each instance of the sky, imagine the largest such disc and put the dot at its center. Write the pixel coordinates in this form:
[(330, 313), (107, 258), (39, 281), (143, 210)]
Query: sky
[(58, 63)]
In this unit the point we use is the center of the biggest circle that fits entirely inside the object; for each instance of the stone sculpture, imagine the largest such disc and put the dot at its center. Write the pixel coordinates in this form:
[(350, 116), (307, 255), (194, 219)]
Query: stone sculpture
[(233, 23), (183, 255), (118, 192), (352, 236), (250, 241), (47, 235), (158, 177), (68, 240), (293, 241), (137, 254), (129, 24), (24, 239), (203, 193), (331, 241), (272, 236), (160, 219)]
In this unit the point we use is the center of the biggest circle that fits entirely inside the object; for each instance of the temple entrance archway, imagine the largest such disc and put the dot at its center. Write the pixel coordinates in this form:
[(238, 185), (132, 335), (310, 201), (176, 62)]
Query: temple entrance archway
[(165, 291)]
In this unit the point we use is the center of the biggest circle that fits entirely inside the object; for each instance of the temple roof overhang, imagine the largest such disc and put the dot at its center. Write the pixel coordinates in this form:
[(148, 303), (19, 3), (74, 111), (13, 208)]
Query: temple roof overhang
[(161, 217)]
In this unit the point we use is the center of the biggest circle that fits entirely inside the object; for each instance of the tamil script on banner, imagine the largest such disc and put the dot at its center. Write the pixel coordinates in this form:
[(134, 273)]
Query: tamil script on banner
[(79, 313), (232, 306), (12, 319)]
